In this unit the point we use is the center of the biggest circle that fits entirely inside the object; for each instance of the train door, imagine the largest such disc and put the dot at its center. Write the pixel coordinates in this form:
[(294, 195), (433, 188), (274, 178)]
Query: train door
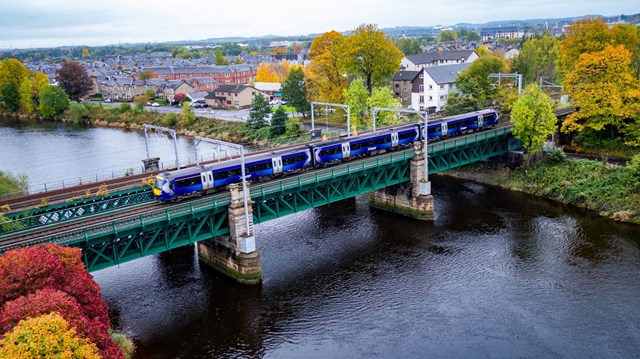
[(346, 150), (207, 180), (480, 121), (394, 139), (445, 129), (276, 163)]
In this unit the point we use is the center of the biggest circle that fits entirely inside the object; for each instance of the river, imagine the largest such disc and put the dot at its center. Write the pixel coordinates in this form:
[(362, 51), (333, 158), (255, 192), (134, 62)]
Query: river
[(496, 274)]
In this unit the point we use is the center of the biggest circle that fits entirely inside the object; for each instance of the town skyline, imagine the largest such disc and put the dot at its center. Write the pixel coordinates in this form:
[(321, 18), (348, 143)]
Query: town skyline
[(31, 24)]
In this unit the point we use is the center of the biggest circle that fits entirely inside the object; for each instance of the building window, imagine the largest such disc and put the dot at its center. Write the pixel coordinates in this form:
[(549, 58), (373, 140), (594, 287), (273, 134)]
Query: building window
[(430, 87), (236, 103), (421, 75), (442, 97), (397, 85), (404, 99), (404, 90), (421, 100), (430, 98), (421, 88), (441, 87)]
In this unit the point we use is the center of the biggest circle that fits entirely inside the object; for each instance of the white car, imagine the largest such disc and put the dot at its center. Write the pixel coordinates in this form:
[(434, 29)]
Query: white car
[(155, 104)]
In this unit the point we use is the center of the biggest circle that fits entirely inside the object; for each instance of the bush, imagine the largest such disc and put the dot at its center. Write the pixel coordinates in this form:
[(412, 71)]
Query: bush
[(10, 184), (124, 107), (78, 113), (556, 155), (633, 166), (48, 336)]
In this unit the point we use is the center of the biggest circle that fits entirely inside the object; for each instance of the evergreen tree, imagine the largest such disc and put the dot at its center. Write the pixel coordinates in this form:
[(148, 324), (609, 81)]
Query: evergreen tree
[(278, 122), (258, 114), (295, 92)]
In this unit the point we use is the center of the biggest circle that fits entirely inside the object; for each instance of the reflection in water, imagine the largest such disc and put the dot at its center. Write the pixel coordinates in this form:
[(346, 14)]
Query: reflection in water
[(496, 274)]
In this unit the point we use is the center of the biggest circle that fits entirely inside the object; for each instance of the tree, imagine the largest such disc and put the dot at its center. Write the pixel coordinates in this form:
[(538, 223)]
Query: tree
[(179, 97), (326, 78), (605, 91), (12, 74), (53, 101), (220, 59), (46, 301), (294, 91), (370, 53), (278, 122), (145, 75), (266, 73), (30, 90), (356, 98), (74, 80), (13, 184), (188, 116), (383, 97), (258, 113), (26, 270), (533, 119), (474, 80), (537, 58), (238, 60), (85, 53), (448, 35), (457, 104), (586, 35), (48, 336), (408, 46)]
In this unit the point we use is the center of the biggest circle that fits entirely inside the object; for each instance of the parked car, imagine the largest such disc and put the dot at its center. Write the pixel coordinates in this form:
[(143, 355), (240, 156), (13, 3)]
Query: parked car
[(155, 104), (108, 100), (199, 105)]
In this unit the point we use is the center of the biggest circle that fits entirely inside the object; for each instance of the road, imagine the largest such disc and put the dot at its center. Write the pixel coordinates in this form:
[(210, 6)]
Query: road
[(229, 115)]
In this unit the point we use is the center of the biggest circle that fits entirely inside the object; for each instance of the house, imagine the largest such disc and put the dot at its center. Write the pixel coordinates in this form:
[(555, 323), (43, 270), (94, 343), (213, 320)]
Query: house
[(232, 74), (437, 58), (403, 85), (238, 96), (205, 84), (273, 89), (439, 82), (495, 33), (197, 96)]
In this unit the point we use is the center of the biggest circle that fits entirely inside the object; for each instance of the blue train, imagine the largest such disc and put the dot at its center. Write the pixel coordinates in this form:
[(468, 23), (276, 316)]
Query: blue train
[(261, 166)]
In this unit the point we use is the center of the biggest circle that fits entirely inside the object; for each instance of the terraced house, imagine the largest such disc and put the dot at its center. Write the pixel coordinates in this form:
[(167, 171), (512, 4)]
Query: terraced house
[(232, 74)]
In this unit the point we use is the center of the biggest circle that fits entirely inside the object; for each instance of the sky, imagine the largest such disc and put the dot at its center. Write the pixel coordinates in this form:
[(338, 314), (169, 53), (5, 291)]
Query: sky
[(50, 23)]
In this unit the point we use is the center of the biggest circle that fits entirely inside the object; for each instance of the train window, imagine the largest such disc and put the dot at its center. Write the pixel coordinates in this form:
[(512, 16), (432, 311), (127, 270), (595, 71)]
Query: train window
[(232, 172), (408, 134), (259, 167), (190, 181), (434, 129), (330, 151), (294, 159)]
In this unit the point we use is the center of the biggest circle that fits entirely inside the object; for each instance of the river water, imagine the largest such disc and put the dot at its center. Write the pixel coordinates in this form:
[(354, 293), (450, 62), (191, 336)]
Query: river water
[(496, 274)]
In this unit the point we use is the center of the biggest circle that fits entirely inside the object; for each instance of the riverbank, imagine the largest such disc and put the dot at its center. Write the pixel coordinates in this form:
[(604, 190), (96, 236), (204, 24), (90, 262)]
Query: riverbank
[(611, 191)]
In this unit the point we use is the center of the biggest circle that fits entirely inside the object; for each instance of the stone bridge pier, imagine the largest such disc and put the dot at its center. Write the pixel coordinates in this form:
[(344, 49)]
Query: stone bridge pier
[(412, 199), (235, 255)]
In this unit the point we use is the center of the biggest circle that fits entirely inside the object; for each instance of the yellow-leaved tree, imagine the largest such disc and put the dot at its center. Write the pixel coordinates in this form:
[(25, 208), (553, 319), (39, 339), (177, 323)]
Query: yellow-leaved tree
[(47, 336), (605, 92), (326, 80)]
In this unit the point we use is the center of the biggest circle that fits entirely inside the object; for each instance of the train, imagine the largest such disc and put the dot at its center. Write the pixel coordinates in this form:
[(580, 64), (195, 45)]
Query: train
[(173, 185)]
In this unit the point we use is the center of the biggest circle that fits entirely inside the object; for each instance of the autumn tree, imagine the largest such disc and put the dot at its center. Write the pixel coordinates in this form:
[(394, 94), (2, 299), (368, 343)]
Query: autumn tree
[(533, 119), (26, 270), (48, 336), (266, 73), (326, 78), (279, 51), (258, 113), (356, 98), (145, 75), (30, 91), (85, 53), (474, 80), (538, 56), (295, 92), (278, 122), (179, 97), (408, 46), (46, 301), (370, 53), (74, 80), (52, 102), (12, 74), (605, 92), (188, 116)]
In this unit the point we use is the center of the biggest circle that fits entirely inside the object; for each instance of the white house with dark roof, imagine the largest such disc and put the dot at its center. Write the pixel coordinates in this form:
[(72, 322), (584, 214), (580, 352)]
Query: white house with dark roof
[(439, 57), (439, 82)]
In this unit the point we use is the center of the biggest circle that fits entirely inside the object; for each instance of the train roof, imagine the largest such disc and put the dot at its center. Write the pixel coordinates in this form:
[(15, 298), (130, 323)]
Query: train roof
[(234, 161)]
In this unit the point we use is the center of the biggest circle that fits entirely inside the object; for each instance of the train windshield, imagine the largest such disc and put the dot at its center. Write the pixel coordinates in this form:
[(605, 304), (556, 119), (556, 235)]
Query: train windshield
[(159, 182)]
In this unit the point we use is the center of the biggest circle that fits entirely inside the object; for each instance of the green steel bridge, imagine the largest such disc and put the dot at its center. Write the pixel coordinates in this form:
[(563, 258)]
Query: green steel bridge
[(135, 234)]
